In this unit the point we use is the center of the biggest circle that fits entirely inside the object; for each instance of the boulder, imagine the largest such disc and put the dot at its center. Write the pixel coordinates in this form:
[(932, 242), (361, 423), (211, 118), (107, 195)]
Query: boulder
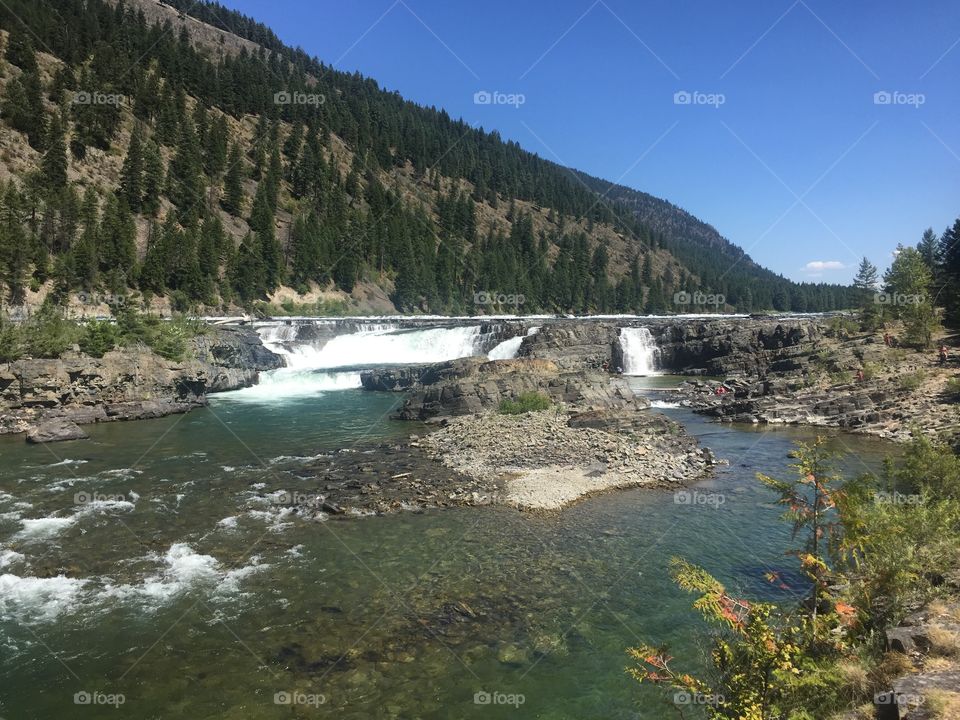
[(55, 430)]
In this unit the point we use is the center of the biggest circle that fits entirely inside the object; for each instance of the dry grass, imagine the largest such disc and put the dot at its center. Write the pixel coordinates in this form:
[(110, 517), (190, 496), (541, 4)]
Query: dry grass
[(857, 677), (943, 642), (891, 666), (944, 704)]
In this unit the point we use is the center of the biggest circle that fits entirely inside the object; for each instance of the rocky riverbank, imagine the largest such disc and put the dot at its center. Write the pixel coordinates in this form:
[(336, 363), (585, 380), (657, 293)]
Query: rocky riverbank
[(50, 399), (816, 383), (546, 460), (597, 434)]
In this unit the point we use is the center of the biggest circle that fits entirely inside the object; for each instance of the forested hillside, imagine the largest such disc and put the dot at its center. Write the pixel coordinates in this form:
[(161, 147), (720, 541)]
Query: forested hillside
[(197, 159)]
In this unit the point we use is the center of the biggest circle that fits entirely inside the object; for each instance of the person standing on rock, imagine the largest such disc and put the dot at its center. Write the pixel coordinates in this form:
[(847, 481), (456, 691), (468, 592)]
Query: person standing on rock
[(943, 354)]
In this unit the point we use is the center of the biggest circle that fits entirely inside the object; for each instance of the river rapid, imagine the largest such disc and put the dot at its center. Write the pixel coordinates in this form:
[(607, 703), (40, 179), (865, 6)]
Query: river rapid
[(160, 564)]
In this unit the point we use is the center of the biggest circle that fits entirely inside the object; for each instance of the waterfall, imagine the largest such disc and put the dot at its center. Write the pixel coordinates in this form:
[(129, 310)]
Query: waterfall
[(311, 370), (508, 349), (640, 353)]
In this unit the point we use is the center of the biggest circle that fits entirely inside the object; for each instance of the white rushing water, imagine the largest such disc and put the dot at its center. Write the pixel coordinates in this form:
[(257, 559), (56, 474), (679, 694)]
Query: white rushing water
[(311, 370), (508, 349), (640, 353)]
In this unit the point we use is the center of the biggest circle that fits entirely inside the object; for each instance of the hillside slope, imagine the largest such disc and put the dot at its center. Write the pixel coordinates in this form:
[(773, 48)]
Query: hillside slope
[(180, 154)]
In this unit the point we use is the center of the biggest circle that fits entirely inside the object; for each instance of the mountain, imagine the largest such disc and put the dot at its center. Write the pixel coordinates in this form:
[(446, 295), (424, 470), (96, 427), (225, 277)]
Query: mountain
[(180, 155)]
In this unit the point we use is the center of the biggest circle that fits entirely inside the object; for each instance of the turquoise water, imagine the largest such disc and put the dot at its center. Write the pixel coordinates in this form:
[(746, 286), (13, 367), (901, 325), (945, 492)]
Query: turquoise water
[(174, 581)]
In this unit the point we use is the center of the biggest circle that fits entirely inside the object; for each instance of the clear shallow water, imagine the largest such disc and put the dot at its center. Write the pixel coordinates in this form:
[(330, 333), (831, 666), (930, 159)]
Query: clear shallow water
[(174, 580)]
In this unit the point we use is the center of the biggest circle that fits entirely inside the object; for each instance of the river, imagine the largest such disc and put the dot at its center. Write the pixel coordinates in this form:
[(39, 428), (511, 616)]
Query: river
[(153, 564)]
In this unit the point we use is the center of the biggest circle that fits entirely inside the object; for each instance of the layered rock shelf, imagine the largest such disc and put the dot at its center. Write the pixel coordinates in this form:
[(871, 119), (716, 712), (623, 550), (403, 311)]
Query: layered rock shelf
[(49, 399)]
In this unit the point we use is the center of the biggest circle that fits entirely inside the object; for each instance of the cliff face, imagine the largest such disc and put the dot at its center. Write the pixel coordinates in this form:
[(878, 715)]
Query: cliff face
[(722, 347), (48, 399)]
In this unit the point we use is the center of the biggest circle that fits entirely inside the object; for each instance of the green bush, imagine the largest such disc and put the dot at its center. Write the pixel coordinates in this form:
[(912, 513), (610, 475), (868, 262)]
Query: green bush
[(911, 381), (842, 327), (525, 402), (11, 342), (49, 333), (100, 337)]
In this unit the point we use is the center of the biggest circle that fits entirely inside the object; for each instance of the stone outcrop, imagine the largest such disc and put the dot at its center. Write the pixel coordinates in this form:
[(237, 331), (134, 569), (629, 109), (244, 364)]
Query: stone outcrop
[(473, 385), (546, 460), (747, 347), (48, 398), (574, 345), (929, 640)]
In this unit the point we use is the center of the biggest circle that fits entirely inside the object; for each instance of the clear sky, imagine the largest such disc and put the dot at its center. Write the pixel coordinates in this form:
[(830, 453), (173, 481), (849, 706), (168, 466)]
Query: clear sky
[(782, 147)]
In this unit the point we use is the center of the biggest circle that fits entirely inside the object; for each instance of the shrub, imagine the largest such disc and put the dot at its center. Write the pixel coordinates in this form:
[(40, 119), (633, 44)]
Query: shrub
[(11, 342), (525, 402), (49, 333), (100, 337), (953, 387), (842, 327), (870, 370), (841, 377), (911, 381)]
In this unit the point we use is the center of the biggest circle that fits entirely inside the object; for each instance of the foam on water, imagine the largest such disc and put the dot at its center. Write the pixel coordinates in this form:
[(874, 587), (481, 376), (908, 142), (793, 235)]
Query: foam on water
[(43, 528), (184, 569), (664, 405), (287, 383), (9, 557), (23, 598)]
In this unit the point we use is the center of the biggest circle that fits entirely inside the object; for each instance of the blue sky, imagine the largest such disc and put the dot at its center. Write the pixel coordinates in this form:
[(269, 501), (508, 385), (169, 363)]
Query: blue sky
[(782, 147)]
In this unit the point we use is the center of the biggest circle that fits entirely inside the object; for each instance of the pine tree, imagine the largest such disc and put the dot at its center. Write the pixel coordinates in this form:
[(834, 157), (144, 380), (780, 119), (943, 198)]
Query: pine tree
[(233, 183), (53, 167), (184, 180), (23, 107), (908, 283), (949, 253), (117, 237), (153, 175), (20, 51), (131, 175), (866, 282)]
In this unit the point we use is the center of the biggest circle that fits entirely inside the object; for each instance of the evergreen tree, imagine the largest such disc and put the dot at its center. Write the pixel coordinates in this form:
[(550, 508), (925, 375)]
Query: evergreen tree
[(153, 175), (929, 250), (233, 183), (54, 164), (867, 282), (23, 107), (184, 178), (908, 283), (131, 175), (949, 253)]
